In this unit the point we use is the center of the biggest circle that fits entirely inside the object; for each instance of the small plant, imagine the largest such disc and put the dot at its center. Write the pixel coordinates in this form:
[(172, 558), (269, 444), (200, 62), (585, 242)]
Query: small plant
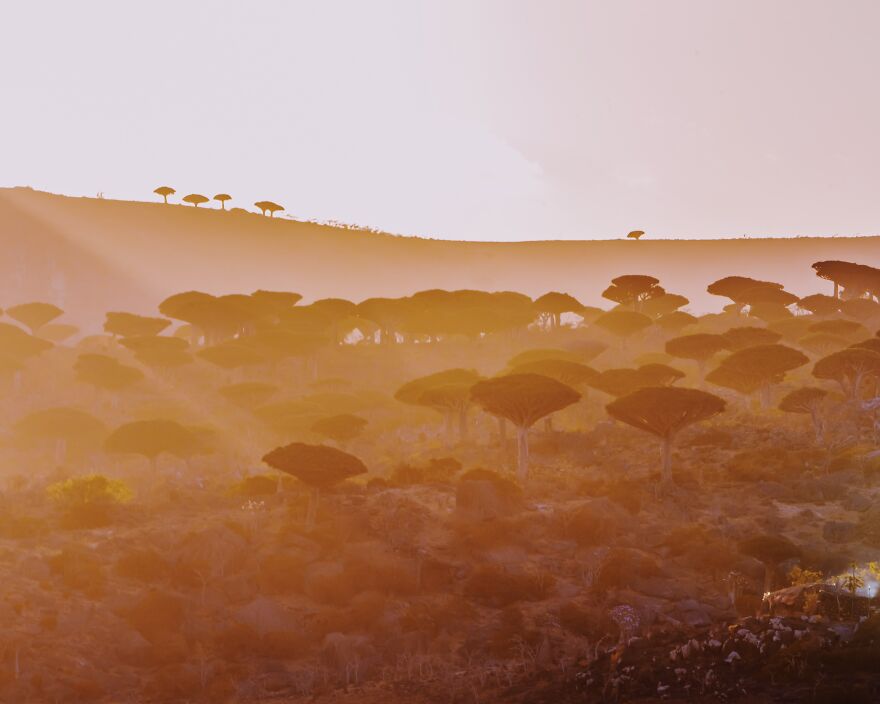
[(87, 502), (799, 576), (852, 582)]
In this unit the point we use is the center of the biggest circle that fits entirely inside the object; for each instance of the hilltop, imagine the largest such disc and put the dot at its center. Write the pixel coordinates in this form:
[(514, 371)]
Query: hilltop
[(95, 254)]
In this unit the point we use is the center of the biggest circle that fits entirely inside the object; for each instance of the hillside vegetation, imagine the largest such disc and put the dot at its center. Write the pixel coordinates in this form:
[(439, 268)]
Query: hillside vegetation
[(78, 252)]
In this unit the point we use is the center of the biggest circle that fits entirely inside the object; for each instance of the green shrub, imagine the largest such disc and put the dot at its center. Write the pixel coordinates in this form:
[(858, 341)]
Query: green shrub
[(88, 501)]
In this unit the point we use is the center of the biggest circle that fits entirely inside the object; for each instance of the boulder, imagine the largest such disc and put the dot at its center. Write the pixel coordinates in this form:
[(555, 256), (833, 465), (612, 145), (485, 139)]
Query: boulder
[(34, 567), (264, 615), (593, 522), (481, 500), (663, 588), (322, 579), (692, 612), (857, 502)]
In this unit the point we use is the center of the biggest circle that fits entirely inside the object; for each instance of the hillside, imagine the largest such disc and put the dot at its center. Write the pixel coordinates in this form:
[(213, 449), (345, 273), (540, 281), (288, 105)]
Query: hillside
[(93, 255)]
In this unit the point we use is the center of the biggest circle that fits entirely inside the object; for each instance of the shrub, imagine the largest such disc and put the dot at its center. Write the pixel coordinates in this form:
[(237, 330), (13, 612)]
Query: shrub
[(281, 574), (495, 587), (798, 575), (504, 486), (79, 570), (764, 464), (257, 485), (710, 437), (626, 493), (241, 641), (406, 475), (442, 469), (683, 538), (590, 622), (592, 523), (509, 632), (439, 470), (144, 565), (156, 616), (87, 502), (18, 526), (622, 565), (869, 524)]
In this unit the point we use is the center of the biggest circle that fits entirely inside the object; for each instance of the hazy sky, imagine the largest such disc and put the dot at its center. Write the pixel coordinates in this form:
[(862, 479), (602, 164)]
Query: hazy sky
[(462, 119)]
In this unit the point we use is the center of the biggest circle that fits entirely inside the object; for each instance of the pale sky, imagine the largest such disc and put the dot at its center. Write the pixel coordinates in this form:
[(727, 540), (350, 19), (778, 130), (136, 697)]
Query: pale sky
[(460, 119)]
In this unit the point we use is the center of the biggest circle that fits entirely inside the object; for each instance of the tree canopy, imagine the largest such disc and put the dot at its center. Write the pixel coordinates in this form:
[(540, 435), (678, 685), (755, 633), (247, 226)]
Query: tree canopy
[(195, 199), (523, 399), (318, 466), (34, 315), (664, 411)]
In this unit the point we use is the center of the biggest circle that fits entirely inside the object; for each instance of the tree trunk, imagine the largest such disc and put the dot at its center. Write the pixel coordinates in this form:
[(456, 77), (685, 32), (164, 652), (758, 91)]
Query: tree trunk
[(765, 396), (312, 511), (462, 425), (817, 426), (666, 470), (502, 432), (522, 446), (548, 424), (60, 450), (769, 570), (450, 433)]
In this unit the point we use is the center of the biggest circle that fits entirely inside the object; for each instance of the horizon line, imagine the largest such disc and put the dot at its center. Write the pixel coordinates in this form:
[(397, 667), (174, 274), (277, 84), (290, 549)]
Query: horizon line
[(339, 225)]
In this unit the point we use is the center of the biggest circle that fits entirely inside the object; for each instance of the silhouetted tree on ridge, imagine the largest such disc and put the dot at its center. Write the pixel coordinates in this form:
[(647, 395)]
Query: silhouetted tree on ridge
[(164, 191), (195, 199), (267, 206)]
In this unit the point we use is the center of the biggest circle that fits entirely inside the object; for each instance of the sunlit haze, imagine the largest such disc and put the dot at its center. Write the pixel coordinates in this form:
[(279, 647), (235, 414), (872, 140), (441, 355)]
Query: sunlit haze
[(479, 120)]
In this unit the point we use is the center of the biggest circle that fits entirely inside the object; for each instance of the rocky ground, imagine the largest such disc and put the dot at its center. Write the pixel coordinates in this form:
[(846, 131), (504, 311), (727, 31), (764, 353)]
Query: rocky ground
[(437, 584)]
